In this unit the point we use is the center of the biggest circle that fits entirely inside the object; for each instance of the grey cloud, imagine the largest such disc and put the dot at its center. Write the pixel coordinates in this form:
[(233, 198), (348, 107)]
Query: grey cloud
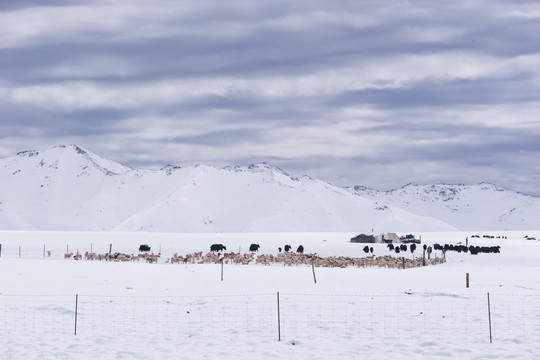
[(278, 44), (443, 94), (22, 4)]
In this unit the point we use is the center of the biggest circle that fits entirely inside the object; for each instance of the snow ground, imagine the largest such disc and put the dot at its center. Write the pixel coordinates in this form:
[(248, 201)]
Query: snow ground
[(165, 311)]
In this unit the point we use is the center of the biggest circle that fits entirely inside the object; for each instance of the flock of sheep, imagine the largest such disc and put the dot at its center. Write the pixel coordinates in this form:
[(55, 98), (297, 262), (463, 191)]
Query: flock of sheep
[(218, 255)]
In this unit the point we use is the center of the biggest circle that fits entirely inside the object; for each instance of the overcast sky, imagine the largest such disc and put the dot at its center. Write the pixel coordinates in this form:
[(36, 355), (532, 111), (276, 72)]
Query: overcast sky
[(373, 93)]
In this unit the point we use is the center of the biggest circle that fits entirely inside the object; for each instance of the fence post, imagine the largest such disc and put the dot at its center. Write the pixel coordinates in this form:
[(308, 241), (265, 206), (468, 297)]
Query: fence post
[(278, 319), (313, 268), (222, 269), (43, 250), (19, 250), (467, 278), (489, 316), (110, 249), (76, 305), (0, 250)]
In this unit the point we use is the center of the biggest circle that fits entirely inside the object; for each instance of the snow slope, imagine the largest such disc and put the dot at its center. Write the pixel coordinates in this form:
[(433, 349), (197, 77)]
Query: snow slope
[(467, 207), (69, 188), (137, 310)]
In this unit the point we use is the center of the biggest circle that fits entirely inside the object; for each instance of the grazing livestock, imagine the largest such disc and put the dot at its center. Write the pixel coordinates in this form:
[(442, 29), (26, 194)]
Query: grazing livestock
[(217, 247), (300, 249), (288, 248), (412, 248), (254, 247), (279, 249), (366, 249), (390, 247), (474, 250), (144, 248)]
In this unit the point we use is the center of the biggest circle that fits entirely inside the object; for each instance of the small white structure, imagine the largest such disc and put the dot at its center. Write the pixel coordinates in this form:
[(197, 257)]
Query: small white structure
[(387, 238)]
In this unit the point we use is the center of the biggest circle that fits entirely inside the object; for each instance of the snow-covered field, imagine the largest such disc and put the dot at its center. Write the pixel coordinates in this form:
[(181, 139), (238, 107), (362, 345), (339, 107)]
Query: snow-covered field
[(171, 311)]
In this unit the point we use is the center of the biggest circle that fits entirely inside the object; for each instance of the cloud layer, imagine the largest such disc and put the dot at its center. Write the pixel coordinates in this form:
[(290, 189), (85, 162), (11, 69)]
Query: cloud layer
[(356, 92)]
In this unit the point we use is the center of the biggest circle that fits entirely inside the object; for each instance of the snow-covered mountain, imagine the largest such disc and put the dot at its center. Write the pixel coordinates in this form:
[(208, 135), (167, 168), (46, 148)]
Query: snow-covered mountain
[(70, 188), (482, 206)]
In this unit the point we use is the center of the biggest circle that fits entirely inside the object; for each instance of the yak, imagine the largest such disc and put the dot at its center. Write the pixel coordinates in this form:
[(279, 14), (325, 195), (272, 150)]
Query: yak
[(254, 247), (144, 248), (217, 247)]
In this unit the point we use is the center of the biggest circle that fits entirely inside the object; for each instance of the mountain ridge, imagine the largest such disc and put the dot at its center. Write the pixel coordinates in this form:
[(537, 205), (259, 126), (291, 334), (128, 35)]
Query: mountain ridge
[(68, 187)]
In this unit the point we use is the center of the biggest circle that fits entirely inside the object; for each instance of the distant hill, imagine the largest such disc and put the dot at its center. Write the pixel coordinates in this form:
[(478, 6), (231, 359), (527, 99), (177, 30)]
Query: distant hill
[(482, 206), (71, 188)]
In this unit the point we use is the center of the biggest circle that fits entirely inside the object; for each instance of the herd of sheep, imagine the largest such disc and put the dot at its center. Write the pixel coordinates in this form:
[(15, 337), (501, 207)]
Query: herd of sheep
[(218, 255)]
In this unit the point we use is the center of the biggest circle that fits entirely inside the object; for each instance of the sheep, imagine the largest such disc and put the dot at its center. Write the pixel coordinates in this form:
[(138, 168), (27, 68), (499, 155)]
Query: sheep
[(152, 259)]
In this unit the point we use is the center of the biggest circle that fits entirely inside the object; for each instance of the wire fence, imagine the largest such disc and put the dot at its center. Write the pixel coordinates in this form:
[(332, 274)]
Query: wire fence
[(279, 316)]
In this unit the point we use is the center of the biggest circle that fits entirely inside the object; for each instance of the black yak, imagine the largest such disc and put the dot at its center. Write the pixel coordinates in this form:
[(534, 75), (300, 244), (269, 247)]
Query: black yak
[(217, 247), (144, 248), (254, 247)]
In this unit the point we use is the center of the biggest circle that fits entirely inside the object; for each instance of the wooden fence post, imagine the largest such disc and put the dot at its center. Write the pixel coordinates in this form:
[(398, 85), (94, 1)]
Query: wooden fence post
[(278, 319), (76, 306), (313, 269), (489, 315)]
